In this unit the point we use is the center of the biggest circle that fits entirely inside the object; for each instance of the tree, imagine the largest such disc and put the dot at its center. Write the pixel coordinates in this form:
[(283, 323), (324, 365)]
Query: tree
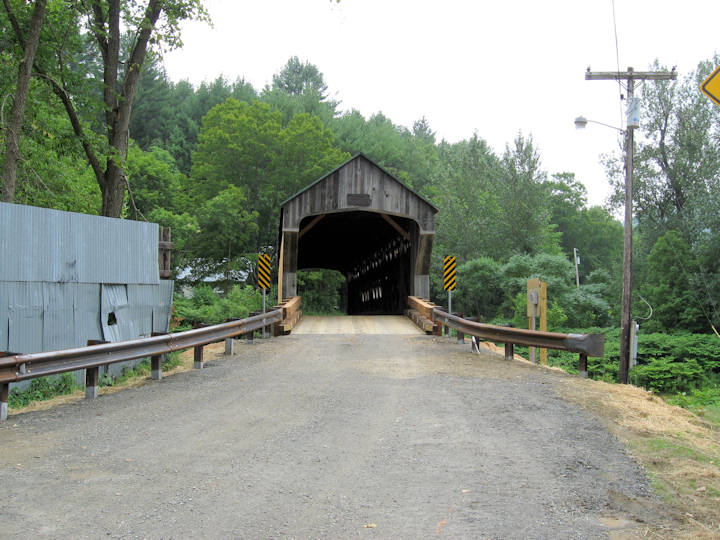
[(299, 88), (469, 224), (481, 292), (594, 231), (29, 42), (669, 288), (523, 200), (158, 21), (677, 179), (227, 230), (245, 145)]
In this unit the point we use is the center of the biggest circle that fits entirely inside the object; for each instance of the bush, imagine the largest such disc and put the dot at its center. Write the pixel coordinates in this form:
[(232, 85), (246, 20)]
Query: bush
[(667, 375), (42, 389), (584, 308), (205, 306), (556, 317), (323, 292), (481, 293)]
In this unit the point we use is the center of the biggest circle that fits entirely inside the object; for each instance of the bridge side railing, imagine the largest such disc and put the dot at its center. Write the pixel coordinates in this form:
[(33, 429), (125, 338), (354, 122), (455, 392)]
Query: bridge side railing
[(583, 344), (21, 367)]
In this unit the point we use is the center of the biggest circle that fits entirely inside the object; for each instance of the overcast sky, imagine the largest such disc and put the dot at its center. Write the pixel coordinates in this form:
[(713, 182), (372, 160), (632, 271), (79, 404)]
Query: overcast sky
[(495, 67)]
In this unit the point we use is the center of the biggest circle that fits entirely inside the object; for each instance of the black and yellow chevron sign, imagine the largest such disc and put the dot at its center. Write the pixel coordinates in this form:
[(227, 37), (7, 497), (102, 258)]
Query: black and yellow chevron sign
[(264, 271), (449, 267)]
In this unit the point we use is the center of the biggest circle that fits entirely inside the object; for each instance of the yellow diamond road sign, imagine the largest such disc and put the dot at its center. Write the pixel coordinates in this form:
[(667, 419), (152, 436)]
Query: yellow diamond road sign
[(711, 86)]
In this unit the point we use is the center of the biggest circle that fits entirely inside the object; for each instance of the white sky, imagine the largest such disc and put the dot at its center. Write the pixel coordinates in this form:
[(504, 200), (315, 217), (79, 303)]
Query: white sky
[(495, 67)]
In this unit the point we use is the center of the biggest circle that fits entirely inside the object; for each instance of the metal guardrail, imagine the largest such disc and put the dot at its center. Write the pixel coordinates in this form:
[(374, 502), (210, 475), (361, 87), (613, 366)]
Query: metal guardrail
[(587, 344), (424, 312), (21, 367)]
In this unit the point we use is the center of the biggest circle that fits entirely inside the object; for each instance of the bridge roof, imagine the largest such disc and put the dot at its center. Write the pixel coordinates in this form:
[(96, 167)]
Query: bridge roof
[(342, 166)]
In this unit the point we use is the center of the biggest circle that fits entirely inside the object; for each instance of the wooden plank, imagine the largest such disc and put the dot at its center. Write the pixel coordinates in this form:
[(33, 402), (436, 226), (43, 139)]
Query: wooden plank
[(397, 227)]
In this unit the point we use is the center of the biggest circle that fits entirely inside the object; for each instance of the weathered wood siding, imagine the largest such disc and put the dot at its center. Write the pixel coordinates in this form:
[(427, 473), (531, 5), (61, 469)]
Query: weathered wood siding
[(359, 185)]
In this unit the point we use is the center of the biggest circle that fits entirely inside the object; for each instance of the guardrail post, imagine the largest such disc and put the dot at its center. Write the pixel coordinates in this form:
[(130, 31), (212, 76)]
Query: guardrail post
[(460, 338), (198, 354), (230, 342), (92, 376), (583, 366), (156, 361), (4, 396), (509, 351)]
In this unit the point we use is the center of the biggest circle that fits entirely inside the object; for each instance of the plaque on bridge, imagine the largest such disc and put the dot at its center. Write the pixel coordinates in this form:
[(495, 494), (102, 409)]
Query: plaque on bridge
[(358, 199)]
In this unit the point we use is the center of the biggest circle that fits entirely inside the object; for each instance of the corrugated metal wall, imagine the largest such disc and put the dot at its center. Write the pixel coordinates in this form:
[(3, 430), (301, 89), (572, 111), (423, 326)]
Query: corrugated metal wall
[(39, 244), (66, 278)]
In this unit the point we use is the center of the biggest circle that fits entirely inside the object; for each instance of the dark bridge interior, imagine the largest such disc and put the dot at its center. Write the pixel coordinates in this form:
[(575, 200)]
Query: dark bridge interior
[(370, 249)]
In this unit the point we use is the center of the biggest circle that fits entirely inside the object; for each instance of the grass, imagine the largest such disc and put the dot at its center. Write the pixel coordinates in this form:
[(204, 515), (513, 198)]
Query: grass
[(42, 389), (50, 388), (679, 450)]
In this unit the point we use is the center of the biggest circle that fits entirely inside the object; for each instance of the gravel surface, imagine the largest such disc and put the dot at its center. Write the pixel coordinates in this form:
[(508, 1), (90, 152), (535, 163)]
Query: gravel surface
[(337, 436)]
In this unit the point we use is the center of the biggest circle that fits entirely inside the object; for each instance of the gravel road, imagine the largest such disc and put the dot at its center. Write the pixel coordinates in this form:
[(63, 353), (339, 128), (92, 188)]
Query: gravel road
[(335, 436)]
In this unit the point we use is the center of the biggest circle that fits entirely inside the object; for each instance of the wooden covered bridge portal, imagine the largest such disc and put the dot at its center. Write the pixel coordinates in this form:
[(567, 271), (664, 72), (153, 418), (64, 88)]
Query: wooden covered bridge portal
[(362, 221)]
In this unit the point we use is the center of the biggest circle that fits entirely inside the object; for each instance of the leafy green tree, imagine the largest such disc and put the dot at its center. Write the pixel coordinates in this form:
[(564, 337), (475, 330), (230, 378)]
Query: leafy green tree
[(29, 41), (668, 288), (155, 181), (157, 21), (481, 293), (523, 200), (299, 88), (226, 233), (470, 221), (677, 181), (245, 145), (184, 228)]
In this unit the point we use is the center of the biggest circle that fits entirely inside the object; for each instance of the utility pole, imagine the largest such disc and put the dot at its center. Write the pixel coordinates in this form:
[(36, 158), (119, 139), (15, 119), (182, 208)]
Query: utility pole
[(630, 76), (577, 274)]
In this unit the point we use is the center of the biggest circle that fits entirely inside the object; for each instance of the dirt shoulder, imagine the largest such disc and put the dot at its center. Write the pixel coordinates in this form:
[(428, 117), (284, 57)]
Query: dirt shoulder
[(680, 451)]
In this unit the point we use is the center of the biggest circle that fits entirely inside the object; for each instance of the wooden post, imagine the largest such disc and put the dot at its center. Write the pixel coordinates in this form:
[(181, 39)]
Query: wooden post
[(4, 396), (509, 351), (198, 356), (583, 366)]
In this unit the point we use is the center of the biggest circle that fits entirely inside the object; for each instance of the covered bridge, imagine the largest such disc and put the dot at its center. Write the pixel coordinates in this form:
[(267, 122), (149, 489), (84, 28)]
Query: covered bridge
[(362, 221)]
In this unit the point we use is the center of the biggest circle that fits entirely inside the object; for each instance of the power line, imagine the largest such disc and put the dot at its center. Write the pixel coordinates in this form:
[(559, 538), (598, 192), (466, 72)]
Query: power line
[(617, 61)]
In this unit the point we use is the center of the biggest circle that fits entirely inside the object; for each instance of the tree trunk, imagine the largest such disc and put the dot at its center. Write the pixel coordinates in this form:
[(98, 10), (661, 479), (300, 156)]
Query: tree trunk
[(12, 144), (118, 104)]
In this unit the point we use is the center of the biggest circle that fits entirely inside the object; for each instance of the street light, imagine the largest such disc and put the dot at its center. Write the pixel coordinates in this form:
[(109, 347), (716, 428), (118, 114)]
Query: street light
[(580, 123)]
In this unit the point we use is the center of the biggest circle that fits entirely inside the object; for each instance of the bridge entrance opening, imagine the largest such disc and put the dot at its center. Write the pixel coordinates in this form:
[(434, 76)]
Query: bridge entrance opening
[(371, 250), (323, 291), (363, 222)]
